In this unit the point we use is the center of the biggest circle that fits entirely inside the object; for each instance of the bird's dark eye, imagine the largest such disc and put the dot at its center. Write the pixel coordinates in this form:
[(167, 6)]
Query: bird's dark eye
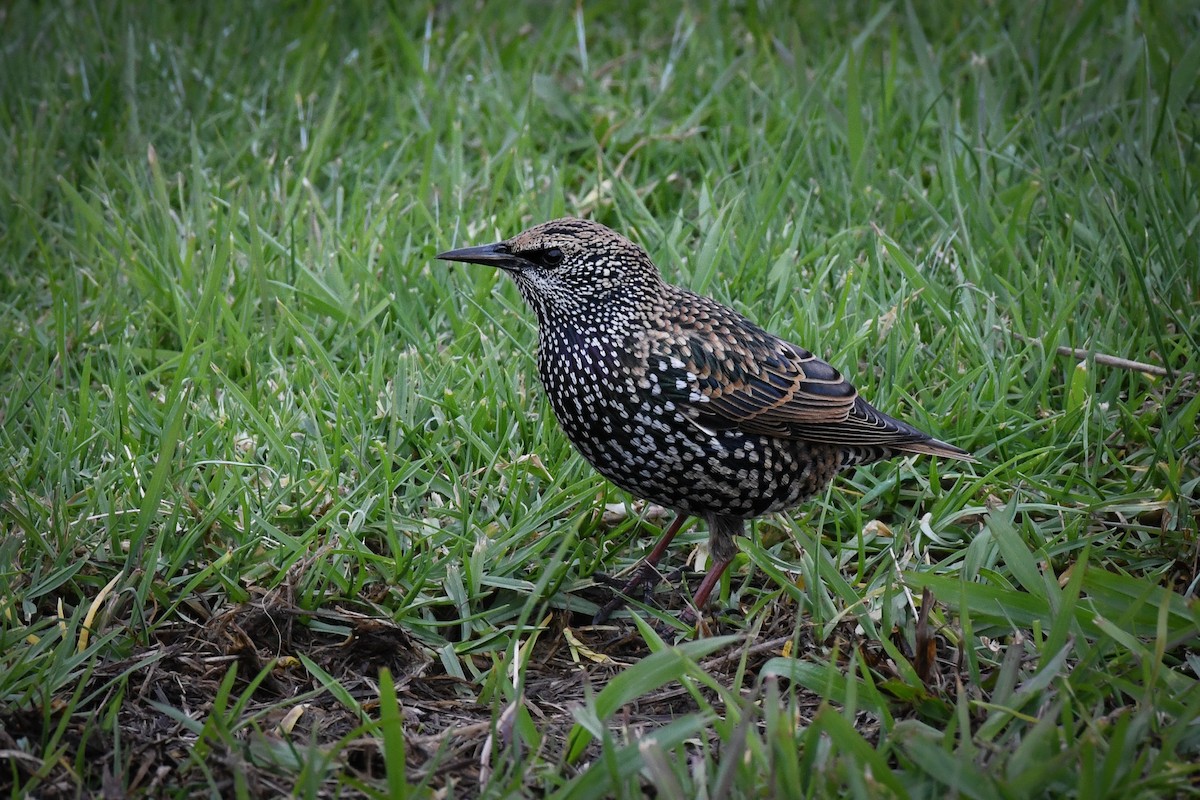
[(551, 257)]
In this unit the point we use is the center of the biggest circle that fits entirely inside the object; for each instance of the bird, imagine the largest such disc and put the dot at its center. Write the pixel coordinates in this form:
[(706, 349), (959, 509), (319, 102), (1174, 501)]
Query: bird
[(679, 399)]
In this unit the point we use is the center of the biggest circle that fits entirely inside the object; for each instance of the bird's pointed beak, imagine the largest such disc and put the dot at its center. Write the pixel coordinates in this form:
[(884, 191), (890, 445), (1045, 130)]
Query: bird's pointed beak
[(494, 255)]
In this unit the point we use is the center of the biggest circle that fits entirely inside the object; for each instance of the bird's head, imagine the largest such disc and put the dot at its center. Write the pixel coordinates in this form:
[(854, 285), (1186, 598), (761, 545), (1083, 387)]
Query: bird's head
[(568, 266)]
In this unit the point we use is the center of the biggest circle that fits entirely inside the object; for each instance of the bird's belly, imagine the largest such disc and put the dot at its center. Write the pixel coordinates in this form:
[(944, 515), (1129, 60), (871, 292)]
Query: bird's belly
[(650, 448)]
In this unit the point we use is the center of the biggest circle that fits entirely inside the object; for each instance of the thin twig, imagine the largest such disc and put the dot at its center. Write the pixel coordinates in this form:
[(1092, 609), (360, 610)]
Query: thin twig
[(1114, 361), (1100, 358)]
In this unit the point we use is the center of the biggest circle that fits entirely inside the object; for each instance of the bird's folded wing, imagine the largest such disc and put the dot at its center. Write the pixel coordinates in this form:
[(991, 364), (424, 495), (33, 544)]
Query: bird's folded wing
[(761, 385), (774, 388)]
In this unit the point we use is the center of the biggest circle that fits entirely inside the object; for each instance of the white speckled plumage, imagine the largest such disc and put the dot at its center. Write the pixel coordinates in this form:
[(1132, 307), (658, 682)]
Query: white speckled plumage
[(679, 399)]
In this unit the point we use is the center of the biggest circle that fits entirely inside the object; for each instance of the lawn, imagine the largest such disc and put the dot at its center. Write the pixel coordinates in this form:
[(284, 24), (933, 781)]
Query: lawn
[(284, 509)]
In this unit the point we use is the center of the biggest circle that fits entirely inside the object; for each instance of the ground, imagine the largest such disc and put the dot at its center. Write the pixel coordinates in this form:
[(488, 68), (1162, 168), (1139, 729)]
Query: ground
[(285, 511), (453, 739)]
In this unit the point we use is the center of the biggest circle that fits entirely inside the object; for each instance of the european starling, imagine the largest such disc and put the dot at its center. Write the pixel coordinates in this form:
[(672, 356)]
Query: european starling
[(680, 400)]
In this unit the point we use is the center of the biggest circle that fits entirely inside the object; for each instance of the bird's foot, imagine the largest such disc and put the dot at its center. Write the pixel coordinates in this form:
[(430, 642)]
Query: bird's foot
[(676, 575), (645, 578), (604, 579)]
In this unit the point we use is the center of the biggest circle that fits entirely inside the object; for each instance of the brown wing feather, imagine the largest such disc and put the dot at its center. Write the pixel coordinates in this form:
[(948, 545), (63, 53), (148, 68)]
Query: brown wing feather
[(781, 388), (761, 384), (736, 375)]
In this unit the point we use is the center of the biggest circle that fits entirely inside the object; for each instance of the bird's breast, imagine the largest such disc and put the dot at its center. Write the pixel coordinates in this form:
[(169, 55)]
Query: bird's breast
[(578, 368), (610, 403)]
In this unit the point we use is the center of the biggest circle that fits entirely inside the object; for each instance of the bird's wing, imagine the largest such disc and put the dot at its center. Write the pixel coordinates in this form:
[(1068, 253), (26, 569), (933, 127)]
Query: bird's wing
[(768, 392), (727, 373)]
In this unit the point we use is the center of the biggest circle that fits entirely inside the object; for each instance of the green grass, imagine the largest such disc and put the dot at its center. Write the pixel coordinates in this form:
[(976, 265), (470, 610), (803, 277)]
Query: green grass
[(284, 510)]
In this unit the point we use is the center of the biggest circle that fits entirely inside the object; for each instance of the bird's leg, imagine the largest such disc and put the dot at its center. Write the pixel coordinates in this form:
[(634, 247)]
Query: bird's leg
[(700, 598), (721, 546), (643, 573)]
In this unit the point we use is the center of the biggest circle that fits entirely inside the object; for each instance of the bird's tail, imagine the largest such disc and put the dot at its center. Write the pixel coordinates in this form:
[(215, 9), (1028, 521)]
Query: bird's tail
[(870, 435), (935, 447)]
